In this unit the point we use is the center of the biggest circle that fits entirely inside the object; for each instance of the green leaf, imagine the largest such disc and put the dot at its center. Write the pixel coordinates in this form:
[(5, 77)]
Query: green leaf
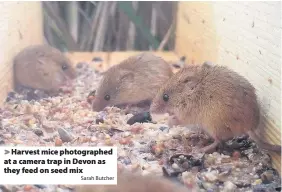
[(126, 7)]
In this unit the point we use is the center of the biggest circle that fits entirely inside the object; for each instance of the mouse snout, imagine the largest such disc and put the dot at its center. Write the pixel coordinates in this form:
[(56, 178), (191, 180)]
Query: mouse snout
[(64, 81), (69, 82), (71, 74), (157, 107), (98, 104), (66, 85)]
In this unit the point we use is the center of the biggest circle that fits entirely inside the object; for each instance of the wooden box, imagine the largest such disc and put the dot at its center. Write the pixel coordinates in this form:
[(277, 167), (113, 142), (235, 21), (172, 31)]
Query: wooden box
[(246, 36)]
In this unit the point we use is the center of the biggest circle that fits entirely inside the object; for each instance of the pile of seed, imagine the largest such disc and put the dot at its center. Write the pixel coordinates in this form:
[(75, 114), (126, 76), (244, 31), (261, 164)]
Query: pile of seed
[(147, 146)]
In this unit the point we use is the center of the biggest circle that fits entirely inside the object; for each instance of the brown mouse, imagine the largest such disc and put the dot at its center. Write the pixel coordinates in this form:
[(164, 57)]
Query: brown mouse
[(218, 99), (133, 182), (135, 80), (42, 67)]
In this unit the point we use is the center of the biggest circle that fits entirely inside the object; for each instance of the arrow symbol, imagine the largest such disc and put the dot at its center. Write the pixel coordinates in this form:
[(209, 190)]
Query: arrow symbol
[(6, 152)]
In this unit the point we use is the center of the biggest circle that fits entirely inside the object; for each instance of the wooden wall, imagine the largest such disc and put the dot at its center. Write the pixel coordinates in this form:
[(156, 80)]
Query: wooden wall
[(246, 36), (20, 26)]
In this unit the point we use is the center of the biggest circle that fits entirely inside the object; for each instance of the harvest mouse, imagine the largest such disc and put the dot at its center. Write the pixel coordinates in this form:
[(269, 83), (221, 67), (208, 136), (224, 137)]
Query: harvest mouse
[(133, 182), (42, 67), (218, 99), (135, 80)]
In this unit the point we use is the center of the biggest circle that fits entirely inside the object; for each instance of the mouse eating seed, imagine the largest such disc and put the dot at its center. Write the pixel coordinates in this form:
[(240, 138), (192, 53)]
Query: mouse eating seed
[(218, 99)]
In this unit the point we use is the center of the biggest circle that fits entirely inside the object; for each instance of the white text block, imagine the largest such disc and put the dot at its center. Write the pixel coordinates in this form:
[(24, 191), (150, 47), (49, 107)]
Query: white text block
[(58, 165)]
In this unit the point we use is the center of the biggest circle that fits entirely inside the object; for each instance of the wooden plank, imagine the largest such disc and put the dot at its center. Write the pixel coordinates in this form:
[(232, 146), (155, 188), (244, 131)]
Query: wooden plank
[(246, 37), (112, 58), (88, 57), (193, 38), (18, 29)]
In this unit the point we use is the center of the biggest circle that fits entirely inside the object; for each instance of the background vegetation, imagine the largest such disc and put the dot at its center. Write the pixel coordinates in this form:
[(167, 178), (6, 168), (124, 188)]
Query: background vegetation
[(109, 26)]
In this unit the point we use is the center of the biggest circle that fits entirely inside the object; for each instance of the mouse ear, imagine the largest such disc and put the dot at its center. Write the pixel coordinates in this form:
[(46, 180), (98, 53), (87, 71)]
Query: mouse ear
[(208, 64), (127, 76)]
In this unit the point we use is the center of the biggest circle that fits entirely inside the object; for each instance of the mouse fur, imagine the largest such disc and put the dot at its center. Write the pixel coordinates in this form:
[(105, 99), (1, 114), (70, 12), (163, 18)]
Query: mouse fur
[(218, 99), (135, 80), (42, 67)]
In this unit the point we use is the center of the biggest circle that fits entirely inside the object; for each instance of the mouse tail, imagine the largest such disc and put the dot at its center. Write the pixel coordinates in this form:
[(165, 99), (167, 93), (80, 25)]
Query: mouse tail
[(264, 145), (256, 135)]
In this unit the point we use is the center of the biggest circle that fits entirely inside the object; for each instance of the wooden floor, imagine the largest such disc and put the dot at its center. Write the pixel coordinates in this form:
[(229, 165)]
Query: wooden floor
[(113, 58)]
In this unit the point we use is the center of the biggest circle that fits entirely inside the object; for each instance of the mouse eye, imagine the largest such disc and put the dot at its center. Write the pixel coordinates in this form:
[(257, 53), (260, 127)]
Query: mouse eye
[(187, 80), (165, 97), (107, 97), (64, 67)]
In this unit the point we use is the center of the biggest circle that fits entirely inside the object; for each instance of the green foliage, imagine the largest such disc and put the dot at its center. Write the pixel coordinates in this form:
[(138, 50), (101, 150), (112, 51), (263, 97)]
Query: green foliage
[(127, 8), (108, 26)]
